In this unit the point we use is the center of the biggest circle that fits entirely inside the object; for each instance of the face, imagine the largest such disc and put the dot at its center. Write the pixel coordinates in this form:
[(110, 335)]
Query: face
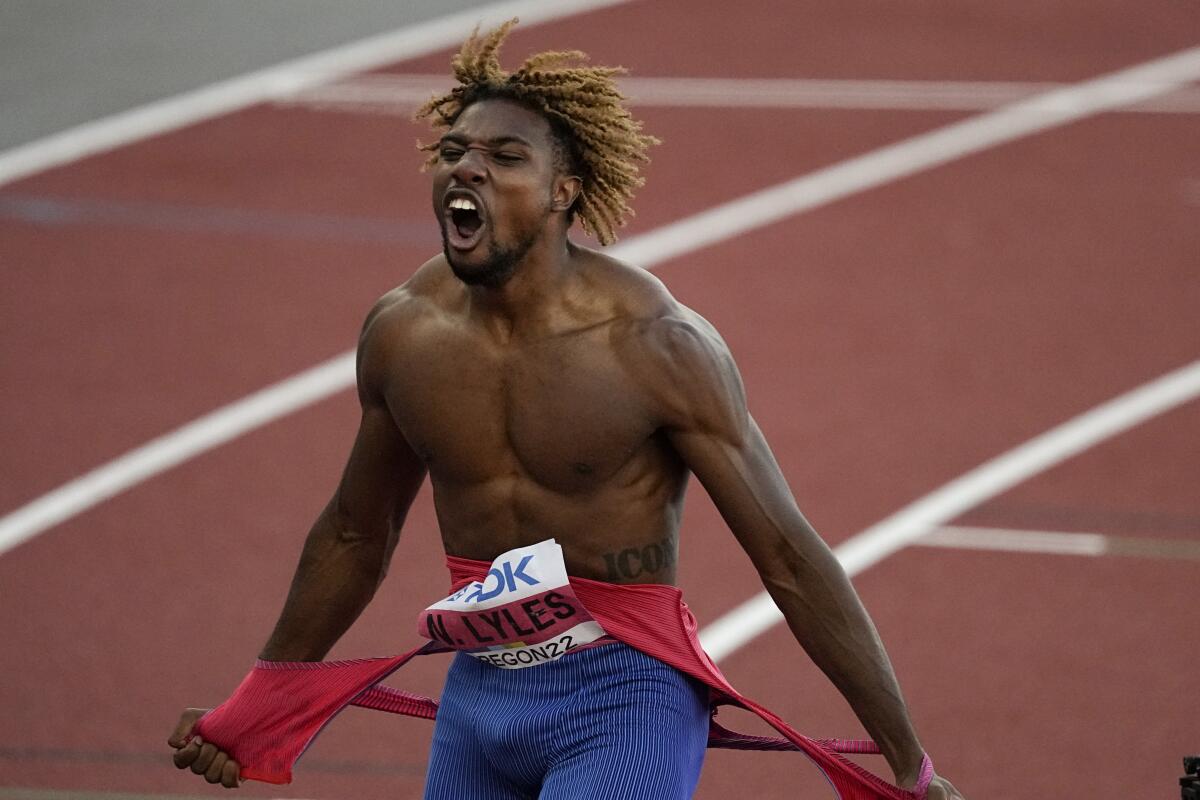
[(495, 189)]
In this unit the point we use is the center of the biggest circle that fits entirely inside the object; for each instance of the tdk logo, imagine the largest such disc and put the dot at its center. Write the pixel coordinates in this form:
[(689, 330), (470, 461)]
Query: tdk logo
[(506, 576)]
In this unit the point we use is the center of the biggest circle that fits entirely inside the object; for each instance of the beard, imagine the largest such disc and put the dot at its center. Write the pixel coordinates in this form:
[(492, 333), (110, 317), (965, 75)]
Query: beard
[(499, 265)]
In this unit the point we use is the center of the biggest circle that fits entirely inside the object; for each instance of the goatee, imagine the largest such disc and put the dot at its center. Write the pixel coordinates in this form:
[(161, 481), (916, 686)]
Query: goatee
[(495, 271)]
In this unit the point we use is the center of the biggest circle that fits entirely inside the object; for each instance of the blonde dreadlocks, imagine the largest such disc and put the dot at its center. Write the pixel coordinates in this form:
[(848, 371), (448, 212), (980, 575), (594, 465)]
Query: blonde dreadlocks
[(585, 112)]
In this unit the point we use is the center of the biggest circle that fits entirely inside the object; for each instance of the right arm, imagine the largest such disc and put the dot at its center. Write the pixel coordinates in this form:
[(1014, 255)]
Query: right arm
[(347, 552)]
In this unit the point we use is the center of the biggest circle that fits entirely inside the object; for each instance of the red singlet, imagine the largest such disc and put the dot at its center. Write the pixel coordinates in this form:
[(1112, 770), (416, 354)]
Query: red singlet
[(281, 706)]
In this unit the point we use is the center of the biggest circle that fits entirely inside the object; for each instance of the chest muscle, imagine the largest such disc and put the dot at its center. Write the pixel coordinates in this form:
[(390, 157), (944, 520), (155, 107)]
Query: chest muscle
[(563, 413)]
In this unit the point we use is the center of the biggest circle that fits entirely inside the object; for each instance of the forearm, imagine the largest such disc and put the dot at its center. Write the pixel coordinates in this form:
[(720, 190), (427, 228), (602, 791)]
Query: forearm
[(828, 619), (337, 576)]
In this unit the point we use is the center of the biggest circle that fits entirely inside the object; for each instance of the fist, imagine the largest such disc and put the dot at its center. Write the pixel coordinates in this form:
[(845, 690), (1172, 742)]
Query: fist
[(203, 758)]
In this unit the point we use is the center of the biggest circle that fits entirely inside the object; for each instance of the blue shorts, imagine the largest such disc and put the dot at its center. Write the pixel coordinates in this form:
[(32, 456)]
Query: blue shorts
[(605, 723)]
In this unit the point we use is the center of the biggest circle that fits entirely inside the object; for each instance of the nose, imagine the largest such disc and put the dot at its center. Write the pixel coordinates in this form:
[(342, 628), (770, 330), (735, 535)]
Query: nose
[(470, 168)]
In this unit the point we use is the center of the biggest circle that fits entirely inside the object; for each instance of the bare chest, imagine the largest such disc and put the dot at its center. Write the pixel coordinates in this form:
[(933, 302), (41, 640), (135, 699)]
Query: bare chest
[(562, 412)]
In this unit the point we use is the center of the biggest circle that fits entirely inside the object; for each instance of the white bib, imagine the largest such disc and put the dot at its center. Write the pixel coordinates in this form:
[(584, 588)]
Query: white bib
[(524, 613)]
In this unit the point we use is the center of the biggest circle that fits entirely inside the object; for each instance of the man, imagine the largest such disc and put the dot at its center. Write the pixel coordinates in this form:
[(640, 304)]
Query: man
[(552, 392)]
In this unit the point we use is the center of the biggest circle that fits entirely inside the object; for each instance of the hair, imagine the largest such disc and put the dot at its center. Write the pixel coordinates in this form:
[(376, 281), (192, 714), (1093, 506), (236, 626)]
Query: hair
[(596, 138)]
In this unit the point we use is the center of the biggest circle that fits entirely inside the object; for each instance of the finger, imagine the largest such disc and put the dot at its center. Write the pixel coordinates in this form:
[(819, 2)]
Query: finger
[(230, 774), (187, 720), (951, 790), (942, 789), (186, 755), (207, 753), (213, 773)]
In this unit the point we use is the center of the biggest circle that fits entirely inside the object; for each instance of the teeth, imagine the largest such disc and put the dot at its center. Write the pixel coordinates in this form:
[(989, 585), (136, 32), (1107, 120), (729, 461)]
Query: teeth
[(462, 203)]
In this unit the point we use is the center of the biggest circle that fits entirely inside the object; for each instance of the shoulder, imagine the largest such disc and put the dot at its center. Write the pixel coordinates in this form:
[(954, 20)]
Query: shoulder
[(424, 296), (692, 374), (430, 299), (618, 290), (399, 316), (675, 355)]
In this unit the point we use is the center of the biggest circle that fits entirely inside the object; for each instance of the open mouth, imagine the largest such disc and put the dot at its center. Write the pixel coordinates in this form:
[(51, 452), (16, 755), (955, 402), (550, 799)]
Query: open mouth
[(464, 222)]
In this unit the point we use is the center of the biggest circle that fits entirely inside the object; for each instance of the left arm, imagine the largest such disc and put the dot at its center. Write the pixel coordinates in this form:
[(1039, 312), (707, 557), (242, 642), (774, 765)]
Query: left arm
[(709, 426)]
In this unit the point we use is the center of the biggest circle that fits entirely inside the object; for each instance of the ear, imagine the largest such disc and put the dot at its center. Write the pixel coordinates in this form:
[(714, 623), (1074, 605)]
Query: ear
[(566, 190)]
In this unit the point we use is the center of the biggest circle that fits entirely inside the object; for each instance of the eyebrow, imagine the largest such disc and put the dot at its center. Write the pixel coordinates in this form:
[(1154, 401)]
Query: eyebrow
[(496, 141)]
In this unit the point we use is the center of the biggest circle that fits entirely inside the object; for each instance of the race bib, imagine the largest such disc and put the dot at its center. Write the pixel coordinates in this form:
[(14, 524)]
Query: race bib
[(524, 613)]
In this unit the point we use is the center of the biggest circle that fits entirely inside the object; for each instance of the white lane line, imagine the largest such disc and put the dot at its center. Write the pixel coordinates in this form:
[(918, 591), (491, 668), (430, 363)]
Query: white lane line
[(171, 449), (696, 232), (890, 163), (400, 94), (758, 615), (282, 79), (964, 537)]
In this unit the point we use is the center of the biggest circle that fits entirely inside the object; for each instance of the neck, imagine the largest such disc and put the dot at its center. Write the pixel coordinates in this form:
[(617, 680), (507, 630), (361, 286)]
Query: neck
[(525, 301)]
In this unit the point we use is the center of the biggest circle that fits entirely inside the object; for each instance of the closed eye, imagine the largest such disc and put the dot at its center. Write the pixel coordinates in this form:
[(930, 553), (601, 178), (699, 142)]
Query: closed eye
[(450, 153)]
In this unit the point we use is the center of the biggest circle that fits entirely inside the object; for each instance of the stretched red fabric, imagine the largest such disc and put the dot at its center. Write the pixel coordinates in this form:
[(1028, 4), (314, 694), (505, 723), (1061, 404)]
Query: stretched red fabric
[(281, 706)]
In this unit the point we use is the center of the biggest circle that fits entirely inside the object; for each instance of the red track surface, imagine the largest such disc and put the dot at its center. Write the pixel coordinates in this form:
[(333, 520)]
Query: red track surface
[(889, 342)]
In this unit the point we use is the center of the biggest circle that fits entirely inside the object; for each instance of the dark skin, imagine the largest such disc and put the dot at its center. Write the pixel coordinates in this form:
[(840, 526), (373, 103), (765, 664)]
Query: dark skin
[(571, 400)]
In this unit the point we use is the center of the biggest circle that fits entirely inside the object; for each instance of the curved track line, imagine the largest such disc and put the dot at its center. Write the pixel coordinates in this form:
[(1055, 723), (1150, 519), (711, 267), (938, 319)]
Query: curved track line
[(689, 234), (283, 79), (759, 614)]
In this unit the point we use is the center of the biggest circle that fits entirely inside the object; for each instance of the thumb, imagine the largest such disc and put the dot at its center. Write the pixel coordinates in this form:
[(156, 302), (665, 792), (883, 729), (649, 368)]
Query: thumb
[(187, 720)]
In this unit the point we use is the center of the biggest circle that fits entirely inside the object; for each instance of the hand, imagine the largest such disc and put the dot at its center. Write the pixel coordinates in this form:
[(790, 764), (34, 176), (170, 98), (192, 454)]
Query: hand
[(942, 789), (205, 759)]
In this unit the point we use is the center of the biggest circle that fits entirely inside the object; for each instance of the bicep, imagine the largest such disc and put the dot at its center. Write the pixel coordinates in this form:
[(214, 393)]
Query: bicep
[(382, 473), (709, 426), (748, 488), (702, 408)]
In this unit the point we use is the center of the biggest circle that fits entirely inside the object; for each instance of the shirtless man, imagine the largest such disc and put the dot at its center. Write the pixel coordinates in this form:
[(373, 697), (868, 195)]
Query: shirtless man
[(550, 391)]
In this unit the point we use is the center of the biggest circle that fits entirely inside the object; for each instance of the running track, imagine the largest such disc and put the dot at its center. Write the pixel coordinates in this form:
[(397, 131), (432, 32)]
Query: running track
[(890, 341)]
